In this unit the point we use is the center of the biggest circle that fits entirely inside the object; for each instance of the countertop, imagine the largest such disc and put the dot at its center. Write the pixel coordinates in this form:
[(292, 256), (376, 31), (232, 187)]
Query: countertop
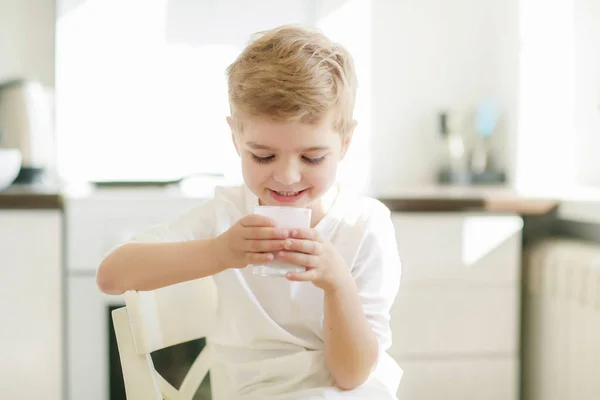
[(419, 199), (31, 197), (496, 199)]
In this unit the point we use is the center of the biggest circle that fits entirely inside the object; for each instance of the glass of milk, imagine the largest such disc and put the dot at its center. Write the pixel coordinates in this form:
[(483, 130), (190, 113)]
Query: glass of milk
[(286, 218)]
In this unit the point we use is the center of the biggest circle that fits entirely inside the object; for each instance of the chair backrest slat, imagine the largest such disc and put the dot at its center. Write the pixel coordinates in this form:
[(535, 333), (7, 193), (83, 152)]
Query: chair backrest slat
[(138, 371), (172, 315), (162, 318), (197, 372), (168, 391)]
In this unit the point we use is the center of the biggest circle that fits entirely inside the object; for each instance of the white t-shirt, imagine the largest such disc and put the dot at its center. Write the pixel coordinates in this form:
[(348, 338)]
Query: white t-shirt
[(269, 332)]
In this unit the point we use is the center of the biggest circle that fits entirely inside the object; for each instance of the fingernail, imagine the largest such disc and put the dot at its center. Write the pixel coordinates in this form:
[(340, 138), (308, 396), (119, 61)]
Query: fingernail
[(294, 232), (287, 243)]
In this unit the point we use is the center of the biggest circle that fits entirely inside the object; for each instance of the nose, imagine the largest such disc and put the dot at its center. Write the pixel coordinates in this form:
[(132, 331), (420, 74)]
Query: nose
[(287, 173)]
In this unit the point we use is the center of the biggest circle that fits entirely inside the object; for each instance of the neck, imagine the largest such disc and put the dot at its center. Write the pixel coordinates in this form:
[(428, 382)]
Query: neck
[(323, 205)]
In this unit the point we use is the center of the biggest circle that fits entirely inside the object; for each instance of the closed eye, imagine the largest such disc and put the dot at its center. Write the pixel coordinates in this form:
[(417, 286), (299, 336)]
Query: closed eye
[(314, 161), (262, 160)]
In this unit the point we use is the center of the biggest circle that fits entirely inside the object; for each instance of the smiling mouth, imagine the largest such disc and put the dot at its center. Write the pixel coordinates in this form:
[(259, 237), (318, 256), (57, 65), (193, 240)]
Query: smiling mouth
[(288, 194)]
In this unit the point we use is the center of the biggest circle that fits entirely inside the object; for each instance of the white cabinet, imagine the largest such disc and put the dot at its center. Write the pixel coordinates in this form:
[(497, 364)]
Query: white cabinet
[(94, 225), (31, 359), (89, 344), (460, 379), (456, 319)]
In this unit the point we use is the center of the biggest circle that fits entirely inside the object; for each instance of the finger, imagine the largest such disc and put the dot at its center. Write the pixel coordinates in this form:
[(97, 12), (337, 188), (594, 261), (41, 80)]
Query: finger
[(263, 246), (256, 220), (258, 258), (307, 276), (305, 260), (305, 233), (303, 246), (264, 233)]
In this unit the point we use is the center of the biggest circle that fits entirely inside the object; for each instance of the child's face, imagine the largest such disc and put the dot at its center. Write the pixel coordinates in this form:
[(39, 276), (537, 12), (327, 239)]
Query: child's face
[(290, 164)]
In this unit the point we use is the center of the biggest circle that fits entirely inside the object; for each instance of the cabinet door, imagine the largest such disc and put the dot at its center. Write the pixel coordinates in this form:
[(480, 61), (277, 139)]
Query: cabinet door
[(477, 378), (31, 305), (449, 320), (459, 248), (455, 321)]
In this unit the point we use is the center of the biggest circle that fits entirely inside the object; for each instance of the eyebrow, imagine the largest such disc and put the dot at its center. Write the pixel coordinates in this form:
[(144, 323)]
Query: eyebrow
[(258, 146)]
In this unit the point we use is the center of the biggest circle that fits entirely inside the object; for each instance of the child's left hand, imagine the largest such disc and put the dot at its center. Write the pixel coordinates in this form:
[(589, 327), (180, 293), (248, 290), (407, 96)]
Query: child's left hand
[(325, 267)]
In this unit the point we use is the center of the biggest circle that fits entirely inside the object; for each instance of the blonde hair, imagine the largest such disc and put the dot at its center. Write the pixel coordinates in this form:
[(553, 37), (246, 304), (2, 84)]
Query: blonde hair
[(293, 74)]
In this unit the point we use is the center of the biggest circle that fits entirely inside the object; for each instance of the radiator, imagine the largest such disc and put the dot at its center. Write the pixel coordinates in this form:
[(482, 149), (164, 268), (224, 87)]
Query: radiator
[(561, 321)]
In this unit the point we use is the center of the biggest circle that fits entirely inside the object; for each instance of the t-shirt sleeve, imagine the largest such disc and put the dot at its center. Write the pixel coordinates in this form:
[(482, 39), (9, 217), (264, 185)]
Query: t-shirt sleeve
[(197, 223), (377, 273)]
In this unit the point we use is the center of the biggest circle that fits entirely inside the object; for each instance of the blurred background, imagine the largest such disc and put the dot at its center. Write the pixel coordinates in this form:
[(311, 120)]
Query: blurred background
[(479, 127)]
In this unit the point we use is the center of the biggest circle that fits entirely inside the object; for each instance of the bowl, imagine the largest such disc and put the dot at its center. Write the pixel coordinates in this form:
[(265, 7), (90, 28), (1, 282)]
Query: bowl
[(10, 165)]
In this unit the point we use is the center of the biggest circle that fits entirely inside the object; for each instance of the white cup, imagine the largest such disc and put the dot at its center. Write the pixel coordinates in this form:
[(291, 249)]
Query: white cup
[(286, 218)]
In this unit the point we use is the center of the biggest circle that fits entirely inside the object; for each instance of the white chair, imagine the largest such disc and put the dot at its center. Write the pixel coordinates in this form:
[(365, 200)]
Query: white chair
[(161, 318)]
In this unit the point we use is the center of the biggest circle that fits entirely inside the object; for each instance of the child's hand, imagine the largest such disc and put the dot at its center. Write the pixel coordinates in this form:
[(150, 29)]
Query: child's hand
[(251, 240), (325, 267)]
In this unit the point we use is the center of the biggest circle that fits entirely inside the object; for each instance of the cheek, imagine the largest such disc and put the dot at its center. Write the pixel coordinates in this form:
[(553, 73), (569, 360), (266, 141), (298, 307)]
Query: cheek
[(323, 175), (253, 173)]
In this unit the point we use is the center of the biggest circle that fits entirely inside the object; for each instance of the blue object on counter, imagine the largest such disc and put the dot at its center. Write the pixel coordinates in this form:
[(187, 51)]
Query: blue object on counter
[(486, 118)]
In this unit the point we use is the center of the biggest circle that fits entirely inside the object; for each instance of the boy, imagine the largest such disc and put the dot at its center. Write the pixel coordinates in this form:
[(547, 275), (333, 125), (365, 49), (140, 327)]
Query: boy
[(319, 334)]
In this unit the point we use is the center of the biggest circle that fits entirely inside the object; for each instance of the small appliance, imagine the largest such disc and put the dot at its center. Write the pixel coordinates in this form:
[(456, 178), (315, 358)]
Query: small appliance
[(26, 124)]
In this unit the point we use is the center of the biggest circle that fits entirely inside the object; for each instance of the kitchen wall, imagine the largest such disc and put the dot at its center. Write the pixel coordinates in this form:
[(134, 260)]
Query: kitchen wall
[(539, 59), (413, 60), (350, 22), (587, 106), (559, 94), (27, 40), (435, 54), (417, 58)]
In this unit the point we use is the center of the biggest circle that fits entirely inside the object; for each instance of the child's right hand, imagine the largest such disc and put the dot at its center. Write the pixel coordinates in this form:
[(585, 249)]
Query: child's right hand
[(251, 240)]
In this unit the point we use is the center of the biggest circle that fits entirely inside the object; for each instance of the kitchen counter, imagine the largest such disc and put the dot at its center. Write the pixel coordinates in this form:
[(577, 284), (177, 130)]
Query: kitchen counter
[(495, 199), (31, 197), (433, 198)]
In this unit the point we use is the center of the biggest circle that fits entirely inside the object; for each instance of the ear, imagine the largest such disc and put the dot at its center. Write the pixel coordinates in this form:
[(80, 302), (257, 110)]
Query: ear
[(348, 138), (233, 134)]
